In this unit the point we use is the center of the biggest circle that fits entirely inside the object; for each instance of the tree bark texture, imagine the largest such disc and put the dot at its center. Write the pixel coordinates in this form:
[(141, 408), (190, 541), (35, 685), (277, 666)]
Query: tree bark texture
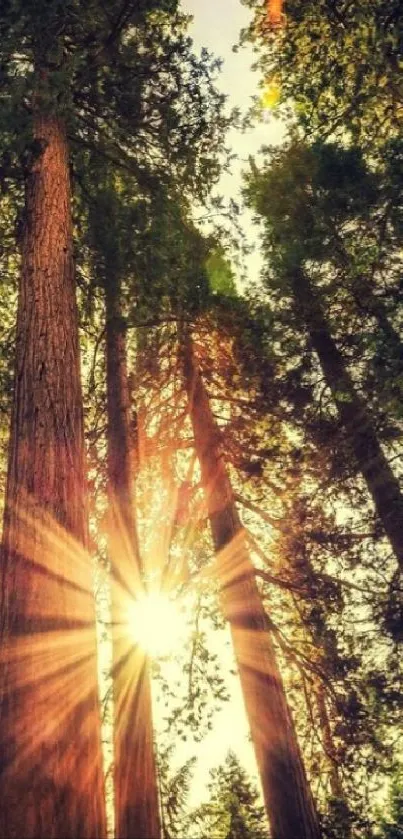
[(286, 791), (382, 484), (51, 780), (136, 791)]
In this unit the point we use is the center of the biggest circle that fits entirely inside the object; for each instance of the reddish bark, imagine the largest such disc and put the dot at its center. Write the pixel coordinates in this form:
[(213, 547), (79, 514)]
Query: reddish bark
[(51, 780), (286, 791), (136, 794)]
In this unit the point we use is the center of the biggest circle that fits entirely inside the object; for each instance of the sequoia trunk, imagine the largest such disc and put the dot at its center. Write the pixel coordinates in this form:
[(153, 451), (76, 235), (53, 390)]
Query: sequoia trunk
[(287, 796), (136, 796), (382, 485), (51, 780)]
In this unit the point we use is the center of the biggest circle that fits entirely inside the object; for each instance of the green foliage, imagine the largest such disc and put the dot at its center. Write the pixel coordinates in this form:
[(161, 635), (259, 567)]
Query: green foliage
[(125, 79), (326, 209), (233, 810), (391, 823), (220, 274), (339, 64), (308, 192), (329, 207), (174, 787), (9, 266)]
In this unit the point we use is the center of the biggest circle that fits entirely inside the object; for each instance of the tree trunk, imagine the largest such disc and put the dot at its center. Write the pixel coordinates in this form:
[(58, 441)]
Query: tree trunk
[(382, 485), (341, 810), (136, 795), (336, 786), (286, 792), (51, 782)]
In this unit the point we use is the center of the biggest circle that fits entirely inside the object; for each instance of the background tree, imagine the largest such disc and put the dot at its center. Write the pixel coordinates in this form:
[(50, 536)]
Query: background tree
[(233, 810), (391, 826), (296, 256), (174, 787)]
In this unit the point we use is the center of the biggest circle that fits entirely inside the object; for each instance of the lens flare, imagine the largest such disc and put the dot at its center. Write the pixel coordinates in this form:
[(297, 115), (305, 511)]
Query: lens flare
[(271, 94), (157, 624)]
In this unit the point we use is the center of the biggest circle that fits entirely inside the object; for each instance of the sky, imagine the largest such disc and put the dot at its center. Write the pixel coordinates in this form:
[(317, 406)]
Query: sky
[(217, 25)]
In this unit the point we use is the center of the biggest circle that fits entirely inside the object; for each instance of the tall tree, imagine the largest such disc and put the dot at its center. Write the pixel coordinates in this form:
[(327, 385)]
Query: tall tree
[(382, 484), (51, 769), (51, 776), (135, 782), (292, 251), (136, 796), (287, 796)]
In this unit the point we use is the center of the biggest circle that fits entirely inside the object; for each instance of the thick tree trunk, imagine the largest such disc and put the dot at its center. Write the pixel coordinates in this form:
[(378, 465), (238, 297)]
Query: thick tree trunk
[(51, 782), (382, 485), (286, 792), (136, 795)]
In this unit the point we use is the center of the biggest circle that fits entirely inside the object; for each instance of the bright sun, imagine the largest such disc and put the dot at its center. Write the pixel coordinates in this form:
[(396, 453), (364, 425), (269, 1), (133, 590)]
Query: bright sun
[(157, 624)]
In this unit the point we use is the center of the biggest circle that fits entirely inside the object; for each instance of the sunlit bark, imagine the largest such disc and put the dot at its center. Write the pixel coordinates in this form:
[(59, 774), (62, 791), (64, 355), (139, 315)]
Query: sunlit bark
[(287, 796), (360, 430), (136, 797), (50, 752)]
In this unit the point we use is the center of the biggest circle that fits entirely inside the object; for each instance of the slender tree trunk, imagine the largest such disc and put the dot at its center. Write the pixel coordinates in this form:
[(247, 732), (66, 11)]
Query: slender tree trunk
[(328, 744), (51, 782), (136, 793), (286, 792), (336, 786), (382, 485)]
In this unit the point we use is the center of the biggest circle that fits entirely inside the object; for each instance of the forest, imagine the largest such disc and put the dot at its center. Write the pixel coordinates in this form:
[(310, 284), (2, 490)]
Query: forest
[(201, 474)]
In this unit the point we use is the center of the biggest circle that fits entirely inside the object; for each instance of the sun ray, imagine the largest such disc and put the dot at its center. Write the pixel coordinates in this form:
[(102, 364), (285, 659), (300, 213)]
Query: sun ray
[(156, 623)]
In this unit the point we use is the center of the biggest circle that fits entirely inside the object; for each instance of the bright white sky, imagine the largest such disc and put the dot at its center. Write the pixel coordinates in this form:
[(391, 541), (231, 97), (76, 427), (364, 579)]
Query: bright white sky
[(216, 25)]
